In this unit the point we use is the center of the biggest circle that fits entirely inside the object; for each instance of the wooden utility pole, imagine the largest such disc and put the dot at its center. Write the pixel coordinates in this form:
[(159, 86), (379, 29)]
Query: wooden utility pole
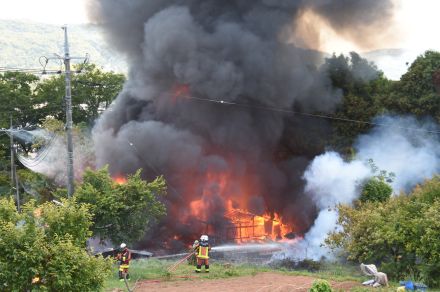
[(68, 99), (70, 171), (14, 178)]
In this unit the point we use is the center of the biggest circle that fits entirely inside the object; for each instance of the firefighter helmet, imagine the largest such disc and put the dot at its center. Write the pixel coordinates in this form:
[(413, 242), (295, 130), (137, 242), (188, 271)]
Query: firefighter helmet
[(204, 238), (123, 245)]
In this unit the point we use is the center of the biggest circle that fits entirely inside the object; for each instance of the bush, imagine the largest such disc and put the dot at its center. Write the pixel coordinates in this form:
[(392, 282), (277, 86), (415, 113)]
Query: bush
[(122, 212), (291, 264), (400, 234), (376, 190), (41, 248), (321, 286)]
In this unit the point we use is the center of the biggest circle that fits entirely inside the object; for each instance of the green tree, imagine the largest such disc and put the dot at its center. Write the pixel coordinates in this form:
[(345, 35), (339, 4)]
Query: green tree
[(43, 248), (17, 99), (67, 217), (418, 92), (93, 90), (363, 87), (16, 102), (401, 234), (122, 212), (375, 190)]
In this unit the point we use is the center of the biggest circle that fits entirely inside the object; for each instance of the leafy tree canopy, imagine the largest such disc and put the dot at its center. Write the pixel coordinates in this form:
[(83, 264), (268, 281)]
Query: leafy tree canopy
[(418, 91), (363, 86), (43, 248), (122, 212), (401, 234), (93, 90)]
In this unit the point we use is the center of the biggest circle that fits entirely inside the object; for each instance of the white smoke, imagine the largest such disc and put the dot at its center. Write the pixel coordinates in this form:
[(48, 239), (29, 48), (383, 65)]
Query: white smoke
[(51, 158), (330, 180), (403, 145)]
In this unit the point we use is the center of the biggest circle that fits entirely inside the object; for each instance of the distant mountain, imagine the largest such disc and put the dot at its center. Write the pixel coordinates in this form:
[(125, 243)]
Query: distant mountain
[(22, 43)]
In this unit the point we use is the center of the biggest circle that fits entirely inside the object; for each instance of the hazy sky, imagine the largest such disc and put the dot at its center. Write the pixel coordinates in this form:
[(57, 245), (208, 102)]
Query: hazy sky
[(418, 20), (416, 29), (46, 11)]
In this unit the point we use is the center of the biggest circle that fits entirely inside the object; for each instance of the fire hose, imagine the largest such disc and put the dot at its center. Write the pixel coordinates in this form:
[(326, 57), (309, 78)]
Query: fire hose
[(179, 262)]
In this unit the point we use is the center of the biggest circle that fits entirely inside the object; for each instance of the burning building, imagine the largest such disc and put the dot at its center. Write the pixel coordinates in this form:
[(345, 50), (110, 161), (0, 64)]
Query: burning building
[(203, 76)]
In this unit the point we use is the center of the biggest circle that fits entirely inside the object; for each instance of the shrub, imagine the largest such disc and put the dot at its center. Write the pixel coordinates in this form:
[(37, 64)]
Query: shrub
[(321, 286), (292, 264), (401, 234), (38, 249), (122, 212), (376, 190)]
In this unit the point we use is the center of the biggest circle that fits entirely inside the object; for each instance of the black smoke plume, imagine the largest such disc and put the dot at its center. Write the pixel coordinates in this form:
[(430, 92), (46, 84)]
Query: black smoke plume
[(230, 51)]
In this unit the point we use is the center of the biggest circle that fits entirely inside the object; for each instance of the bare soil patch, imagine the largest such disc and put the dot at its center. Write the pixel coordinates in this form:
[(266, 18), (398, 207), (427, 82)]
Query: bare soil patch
[(261, 282)]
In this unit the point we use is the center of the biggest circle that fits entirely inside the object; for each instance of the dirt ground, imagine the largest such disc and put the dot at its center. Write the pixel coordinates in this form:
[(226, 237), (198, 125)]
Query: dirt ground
[(262, 282)]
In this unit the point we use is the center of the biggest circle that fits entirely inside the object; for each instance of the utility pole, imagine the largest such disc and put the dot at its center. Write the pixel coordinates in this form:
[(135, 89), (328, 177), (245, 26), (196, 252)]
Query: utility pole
[(14, 178), (70, 173), (68, 98)]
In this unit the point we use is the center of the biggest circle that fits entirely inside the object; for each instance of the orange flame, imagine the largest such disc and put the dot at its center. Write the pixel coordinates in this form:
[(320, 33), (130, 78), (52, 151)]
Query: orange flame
[(244, 225), (120, 180)]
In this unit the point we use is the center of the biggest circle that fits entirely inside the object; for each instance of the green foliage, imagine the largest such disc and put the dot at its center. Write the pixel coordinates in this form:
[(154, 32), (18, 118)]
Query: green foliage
[(292, 264), (68, 218), (375, 190), (71, 269), (44, 243), (362, 85), (321, 286), (418, 91), (17, 99), (122, 212), (92, 92), (5, 182), (401, 233), (34, 186), (16, 102), (231, 272)]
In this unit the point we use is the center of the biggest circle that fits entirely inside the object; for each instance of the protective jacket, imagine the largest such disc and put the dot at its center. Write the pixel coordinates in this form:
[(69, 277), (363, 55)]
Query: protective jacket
[(124, 258), (202, 250)]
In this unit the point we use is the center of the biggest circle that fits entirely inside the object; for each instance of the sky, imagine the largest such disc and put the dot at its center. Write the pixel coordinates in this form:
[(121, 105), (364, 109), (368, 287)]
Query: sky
[(416, 23)]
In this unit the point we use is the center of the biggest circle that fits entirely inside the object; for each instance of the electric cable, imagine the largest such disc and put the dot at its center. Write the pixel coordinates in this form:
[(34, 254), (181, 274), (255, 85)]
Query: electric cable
[(30, 163), (322, 116)]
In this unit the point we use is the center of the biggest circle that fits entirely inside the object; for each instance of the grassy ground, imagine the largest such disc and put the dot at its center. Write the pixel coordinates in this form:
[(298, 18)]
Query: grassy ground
[(157, 270)]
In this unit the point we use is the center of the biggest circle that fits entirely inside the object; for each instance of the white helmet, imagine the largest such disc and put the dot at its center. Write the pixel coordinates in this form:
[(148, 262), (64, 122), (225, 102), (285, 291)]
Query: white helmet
[(204, 238), (123, 245)]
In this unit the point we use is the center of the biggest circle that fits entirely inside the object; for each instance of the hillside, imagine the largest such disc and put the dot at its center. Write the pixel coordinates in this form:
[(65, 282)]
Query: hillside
[(22, 43)]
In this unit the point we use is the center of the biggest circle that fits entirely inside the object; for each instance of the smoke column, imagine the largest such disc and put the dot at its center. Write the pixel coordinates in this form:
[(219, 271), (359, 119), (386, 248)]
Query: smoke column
[(404, 145), (231, 51)]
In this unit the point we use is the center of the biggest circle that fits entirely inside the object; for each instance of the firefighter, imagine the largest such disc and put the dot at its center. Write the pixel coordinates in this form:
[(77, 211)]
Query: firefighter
[(202, 249), (123, 257)]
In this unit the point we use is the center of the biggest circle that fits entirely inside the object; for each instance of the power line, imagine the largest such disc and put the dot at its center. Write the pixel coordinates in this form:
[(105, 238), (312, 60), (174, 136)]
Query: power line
[(321, 116), (30, 163), (29, 71)]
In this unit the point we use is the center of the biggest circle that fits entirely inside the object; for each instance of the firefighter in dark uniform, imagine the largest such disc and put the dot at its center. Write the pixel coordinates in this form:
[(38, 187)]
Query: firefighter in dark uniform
[(123, 257), (202, 249)]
